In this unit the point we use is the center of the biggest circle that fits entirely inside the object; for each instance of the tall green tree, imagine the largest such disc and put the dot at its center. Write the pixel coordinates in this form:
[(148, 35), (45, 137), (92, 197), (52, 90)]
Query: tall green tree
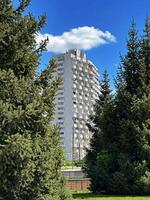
[(30, 149), (131, 123), (134, 69), (145, 49), (98, 126), (122, 158)]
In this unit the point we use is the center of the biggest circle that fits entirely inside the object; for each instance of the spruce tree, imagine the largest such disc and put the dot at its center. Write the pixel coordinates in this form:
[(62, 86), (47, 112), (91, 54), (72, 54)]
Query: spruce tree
[(145, 49), (97, 153), (30, 149), (134, 71), (131, 123), (120, 147), (141, 110)]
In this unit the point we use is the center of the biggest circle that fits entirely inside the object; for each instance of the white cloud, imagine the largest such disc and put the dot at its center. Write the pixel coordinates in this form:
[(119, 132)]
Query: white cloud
[(84, 38)]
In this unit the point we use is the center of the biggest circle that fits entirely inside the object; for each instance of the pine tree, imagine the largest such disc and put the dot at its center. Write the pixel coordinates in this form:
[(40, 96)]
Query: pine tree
[(120, 147), (30, 149), (141, 110), (145, 49), (98, 126), (134, 72), (131, 123)]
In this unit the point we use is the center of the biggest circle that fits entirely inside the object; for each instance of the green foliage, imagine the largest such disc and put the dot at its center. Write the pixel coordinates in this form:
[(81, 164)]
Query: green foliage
[(131, 118), (145, 182), (78, 163), (73, 163), (68, 163), (30, 149), (118, 161), (97, 158)]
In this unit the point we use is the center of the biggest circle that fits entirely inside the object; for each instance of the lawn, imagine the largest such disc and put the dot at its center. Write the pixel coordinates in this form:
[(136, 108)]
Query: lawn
[(89, 196), (69, 167)]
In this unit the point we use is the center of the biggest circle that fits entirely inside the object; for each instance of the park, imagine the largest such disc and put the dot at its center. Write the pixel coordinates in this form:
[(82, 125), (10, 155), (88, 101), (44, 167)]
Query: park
[(33, 162)]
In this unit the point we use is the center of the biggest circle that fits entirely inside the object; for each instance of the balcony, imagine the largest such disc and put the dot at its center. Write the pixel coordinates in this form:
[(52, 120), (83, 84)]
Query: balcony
[(74, 67), (74, 85), (80, 87)]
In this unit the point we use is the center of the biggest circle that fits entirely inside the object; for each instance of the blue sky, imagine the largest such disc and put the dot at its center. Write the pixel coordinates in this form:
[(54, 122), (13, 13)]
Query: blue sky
[(103, 15)]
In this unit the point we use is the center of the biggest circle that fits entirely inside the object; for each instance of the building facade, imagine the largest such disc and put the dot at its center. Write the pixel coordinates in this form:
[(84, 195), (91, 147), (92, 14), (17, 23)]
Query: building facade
[(75, 99)]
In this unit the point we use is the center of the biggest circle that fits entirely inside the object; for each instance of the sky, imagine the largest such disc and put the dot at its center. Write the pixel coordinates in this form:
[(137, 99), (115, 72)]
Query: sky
[(99, 27)]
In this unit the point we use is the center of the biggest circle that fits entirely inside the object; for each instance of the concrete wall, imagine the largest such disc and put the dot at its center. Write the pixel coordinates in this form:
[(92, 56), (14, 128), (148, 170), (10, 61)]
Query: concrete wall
[(72, 174), (68, 107)]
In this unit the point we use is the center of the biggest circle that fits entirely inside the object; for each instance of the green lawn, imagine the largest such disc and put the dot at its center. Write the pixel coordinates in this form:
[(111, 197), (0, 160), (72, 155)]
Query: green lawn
[(89, 196), (69, 167)]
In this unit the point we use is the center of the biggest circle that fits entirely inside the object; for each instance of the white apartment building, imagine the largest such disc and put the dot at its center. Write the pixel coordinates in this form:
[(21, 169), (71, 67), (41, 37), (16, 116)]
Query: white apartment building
[(74, 103)]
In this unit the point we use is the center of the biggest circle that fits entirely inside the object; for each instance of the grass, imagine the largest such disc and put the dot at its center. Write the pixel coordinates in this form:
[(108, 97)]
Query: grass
[(89, 196), (70, 167)]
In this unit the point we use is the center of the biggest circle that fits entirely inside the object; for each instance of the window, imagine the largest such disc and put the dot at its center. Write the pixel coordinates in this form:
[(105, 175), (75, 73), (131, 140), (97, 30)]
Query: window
[(60, 98), (54, 71), (60, 69), (60, 73), (60, 103), (60, 108), (60, 118), (60, 93), (60, 58), (60, 123), (60, 113), (60, 63)]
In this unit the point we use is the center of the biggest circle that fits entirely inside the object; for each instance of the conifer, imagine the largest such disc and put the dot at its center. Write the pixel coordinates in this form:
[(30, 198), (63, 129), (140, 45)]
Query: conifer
[(30, 149)]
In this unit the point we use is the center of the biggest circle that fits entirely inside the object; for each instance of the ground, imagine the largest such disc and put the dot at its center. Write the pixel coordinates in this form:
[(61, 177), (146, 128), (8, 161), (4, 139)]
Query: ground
[(89, 196)]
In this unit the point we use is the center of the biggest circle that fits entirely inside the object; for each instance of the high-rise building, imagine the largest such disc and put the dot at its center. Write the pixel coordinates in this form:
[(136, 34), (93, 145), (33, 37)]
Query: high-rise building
[(74, 103)]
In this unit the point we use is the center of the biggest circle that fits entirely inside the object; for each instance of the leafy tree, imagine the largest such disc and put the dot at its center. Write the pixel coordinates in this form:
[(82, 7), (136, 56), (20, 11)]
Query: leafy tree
[(30, 149)]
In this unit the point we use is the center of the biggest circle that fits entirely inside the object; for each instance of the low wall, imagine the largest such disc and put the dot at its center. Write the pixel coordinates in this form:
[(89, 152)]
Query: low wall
[(74, 173), (76, 180), (77, 185)]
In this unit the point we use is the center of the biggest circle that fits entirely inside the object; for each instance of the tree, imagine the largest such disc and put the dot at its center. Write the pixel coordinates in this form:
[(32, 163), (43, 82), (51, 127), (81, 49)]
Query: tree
[(121, 136), (134, 70), (145, 49), (30, 149), (96, 154), (131, 122)]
